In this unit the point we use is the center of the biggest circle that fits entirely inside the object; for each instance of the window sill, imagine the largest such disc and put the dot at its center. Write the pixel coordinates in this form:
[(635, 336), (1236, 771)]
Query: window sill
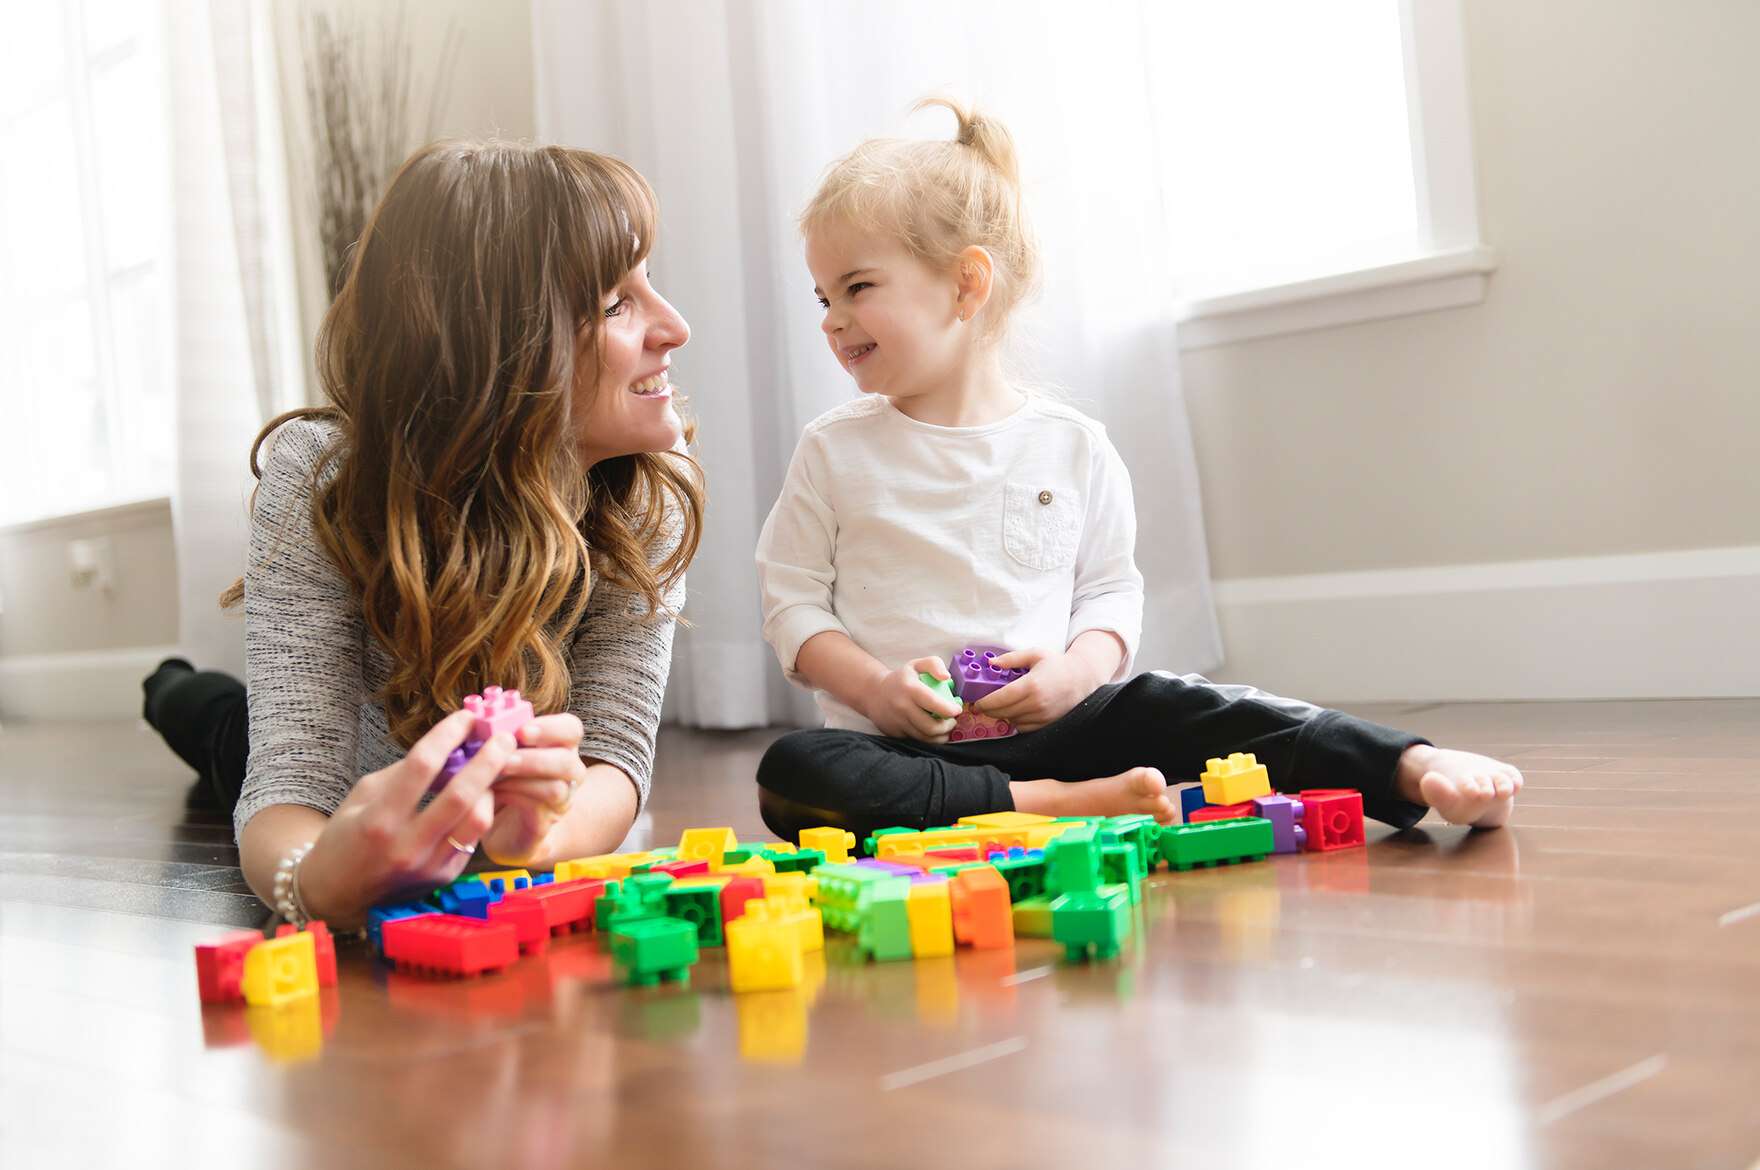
[(1442, 280), (122, 510)]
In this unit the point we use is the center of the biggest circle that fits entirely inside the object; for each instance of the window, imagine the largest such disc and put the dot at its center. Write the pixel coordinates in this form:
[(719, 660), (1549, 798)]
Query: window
[(1315, 157), (86, 417)]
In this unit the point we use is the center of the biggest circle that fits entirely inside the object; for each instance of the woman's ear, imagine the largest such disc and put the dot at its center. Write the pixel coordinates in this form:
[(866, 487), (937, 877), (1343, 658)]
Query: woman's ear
[(975, 274)]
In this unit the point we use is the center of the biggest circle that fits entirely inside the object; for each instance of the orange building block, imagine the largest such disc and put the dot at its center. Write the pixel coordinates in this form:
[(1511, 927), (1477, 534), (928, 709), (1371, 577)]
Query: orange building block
[(982, 916)]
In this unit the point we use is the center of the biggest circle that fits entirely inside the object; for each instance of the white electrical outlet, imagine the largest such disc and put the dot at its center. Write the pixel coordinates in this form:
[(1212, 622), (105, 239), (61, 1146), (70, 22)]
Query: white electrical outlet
[(91, 564)]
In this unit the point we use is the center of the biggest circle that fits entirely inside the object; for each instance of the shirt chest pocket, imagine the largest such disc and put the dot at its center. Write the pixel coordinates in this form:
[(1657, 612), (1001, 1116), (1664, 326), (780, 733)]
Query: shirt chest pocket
[(1041, 524)]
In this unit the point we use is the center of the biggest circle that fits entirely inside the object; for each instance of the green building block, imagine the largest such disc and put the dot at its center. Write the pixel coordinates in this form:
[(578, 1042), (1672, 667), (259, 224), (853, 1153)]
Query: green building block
[(885, 930), (641, 895), (1072, 862), (1213, 842), (701, 907), (800, 861), (737, 855), (941, 686), (1140, 830), (651, 949), (870, 845), (1119, 867), (845, 890), (1025, 876), (1100, 920), (1032, 916)]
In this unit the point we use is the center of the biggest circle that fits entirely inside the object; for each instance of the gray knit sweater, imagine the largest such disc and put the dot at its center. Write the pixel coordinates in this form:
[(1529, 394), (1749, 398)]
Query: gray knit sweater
[(312, 669)]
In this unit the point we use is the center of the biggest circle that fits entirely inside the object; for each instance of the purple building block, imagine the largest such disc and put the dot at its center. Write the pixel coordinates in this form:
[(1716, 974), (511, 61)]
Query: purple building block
[(1285, 815), (494, 710), (974, 676), (891, 867)]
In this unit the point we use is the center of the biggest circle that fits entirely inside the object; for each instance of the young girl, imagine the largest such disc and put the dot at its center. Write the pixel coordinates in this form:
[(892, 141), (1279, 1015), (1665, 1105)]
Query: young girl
[(497, 496), (945, 507)]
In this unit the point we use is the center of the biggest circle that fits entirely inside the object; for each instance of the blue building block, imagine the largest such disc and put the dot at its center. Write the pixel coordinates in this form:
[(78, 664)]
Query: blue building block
[(380, 915)]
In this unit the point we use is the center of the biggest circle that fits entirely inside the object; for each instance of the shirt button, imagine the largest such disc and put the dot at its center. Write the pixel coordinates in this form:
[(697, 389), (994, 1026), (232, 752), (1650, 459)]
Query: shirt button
[(1044, 497)]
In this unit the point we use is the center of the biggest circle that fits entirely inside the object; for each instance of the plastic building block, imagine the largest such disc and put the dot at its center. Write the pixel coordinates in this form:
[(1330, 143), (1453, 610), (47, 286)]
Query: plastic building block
[(1073, 863), (764, 950), (1025, 874), (975, 674), (378, 916), (1213, 842), (972, 723), (220, 965), (1188, 796), (1140, 830), (323, 948), (834, 843), (709, 845), (1098, 920), (1238, 778), (641, 895), (797, 861), (1118, 867), (1221, 812), (929, 909), (1333, 819), (885, 928), (809, 924), (748, 867), (280, 969), (494, 710), (510, 879), (1287, 832), (1032, 916), (698, 905), (845, 891), (736, 895), (612, 866), (467, 897), (446, 944), (528, 922), (651, 949), (981, 916), (567, 906), (1005, 820), (941, 686), (795, 885), (680, 869)]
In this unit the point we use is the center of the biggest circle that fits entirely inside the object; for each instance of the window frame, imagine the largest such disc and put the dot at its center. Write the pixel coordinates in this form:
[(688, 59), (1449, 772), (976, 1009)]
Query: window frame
[(1454, 264)]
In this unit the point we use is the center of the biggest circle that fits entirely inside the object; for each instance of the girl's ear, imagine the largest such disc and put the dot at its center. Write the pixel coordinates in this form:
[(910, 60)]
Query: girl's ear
[(975, 274)]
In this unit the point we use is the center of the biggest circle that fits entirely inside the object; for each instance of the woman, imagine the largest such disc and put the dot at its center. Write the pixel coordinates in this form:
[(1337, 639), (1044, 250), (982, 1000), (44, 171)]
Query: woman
[(498, 495)]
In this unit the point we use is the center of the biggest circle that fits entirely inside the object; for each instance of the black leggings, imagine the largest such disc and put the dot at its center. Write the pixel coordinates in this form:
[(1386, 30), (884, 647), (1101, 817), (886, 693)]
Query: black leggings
[(201, 715), (863, 782)]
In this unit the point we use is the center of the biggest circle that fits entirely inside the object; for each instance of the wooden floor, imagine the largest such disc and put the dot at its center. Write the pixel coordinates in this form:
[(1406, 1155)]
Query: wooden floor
[(1582, 990)]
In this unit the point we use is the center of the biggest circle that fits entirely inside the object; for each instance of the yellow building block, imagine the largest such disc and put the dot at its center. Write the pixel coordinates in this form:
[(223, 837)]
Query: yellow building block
[(931, 915), (703, 879), (802, 885), (507, 876), (1032, 917), (278, 970), (835, 843), (1039, 835), (760, 867), (1236, 779), (808, 922), (615, 866), (1004, 820), (779, 847), (706, 845), (763, 949)]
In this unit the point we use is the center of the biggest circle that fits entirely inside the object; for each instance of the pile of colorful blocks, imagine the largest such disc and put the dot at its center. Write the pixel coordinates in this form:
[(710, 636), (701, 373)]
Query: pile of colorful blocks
[(917, 893)]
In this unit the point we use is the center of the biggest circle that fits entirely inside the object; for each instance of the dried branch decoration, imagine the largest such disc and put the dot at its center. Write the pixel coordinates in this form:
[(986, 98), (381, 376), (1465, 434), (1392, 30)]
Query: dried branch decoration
[(360, 85)]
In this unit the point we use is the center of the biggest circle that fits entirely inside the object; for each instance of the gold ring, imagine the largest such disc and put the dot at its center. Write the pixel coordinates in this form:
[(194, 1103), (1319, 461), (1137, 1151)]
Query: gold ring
[(467, 850)]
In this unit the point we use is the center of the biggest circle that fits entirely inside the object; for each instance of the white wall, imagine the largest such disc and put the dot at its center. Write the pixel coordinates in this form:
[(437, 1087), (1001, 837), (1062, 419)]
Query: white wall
[(1571, 461)]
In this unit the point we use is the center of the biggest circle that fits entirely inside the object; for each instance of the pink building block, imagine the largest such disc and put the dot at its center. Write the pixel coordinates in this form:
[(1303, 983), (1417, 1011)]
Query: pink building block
[(494, 710)]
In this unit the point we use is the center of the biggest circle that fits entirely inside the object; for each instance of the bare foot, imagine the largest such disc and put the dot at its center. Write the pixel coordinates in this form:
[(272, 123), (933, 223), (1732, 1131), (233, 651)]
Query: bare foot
[(1466, 788), (1140, 790)]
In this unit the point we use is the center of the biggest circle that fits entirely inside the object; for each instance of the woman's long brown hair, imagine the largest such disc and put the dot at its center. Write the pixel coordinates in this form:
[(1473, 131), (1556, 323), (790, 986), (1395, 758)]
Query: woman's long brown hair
[(460, 512)]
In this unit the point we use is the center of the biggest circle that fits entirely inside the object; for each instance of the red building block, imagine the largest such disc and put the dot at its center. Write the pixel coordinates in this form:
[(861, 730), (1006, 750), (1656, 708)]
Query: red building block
[(220, 965), (447, 944), (982, 916), (568, 906), (530, 925), (736, 893), (680, 869), (323, 948), (1221, 812), (1332, 817)]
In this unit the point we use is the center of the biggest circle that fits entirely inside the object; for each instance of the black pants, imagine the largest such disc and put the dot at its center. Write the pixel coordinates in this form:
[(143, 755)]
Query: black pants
[(863, 782), (201, 716)]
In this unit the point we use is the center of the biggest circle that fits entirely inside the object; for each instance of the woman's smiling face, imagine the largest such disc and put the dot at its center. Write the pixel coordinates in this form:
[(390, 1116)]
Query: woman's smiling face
[(624, 407)]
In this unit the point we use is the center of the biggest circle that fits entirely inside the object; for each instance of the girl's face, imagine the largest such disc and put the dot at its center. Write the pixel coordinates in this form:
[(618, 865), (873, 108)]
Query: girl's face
[(891, 320), (627, 407)]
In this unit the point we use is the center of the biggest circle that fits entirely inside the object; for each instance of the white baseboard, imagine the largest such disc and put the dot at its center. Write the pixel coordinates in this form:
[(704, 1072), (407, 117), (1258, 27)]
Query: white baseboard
[(1654, 625), (82, 686)]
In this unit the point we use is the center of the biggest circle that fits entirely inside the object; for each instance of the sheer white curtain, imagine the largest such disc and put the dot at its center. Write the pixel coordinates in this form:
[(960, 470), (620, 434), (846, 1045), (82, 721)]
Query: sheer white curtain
[(230, 300), (731, 110)]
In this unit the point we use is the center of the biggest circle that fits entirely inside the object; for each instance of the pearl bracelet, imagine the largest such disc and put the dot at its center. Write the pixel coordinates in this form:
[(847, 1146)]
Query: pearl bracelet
[(287, 900)]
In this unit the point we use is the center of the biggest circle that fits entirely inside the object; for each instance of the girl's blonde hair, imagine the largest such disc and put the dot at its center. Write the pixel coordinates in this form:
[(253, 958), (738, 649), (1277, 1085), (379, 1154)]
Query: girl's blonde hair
[(941, 197), (460, 512)]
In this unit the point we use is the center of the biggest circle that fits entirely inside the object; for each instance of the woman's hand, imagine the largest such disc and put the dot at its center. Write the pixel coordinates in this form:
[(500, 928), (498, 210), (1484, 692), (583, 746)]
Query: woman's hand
[(381, 847), (903, 706), (1054, 684), (537, 784)]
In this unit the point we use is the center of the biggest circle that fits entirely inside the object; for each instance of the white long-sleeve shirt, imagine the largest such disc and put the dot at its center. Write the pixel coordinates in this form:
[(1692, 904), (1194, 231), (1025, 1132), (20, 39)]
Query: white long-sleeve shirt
[(916, 539)]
